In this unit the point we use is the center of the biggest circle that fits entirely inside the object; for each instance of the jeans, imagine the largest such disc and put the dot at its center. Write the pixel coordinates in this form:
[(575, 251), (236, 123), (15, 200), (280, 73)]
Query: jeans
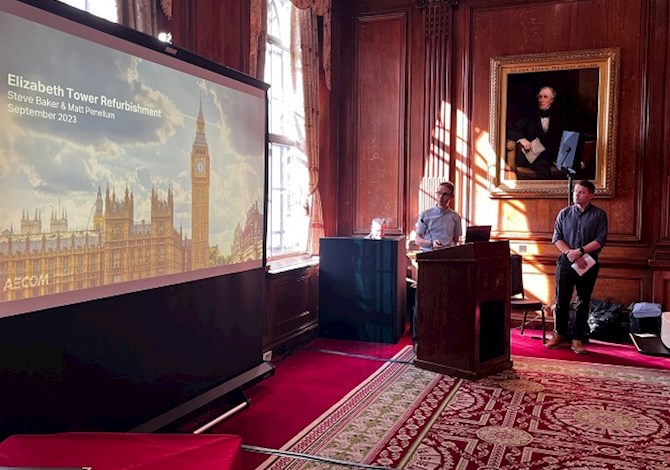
[(567, 280)]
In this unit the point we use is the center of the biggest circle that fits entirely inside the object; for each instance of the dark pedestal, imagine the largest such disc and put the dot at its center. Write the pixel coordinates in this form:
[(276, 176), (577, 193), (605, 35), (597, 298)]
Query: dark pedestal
[(362, 289)]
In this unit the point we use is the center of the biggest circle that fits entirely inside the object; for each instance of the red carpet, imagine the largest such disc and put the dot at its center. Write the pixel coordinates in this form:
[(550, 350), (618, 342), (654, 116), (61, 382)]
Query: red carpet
[(598, 351), (304, 386), (309, 382)]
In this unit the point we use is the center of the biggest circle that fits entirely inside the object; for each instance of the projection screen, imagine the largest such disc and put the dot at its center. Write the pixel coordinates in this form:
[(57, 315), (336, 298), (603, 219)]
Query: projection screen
[(122, 167)]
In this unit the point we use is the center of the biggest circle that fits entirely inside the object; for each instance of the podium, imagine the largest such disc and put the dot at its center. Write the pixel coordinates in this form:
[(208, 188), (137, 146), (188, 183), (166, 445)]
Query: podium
[(464, 310), (362, 289)]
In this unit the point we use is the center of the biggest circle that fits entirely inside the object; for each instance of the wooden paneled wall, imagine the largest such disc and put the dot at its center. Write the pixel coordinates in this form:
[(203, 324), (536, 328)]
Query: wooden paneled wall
[(291, 307), (216, 29), (411, 99), (373, 142), (438, 135)]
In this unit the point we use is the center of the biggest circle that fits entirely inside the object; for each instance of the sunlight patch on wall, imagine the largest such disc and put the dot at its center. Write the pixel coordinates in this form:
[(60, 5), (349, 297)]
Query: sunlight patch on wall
[(438, 161), (485, 158), (462, 126), (536, 282)]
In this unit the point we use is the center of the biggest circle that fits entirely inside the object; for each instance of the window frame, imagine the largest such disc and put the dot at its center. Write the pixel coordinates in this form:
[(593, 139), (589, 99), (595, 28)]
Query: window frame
[(275, 140)]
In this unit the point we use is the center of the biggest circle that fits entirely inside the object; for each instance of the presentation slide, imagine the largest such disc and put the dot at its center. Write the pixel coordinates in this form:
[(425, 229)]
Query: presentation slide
[(122, 168)]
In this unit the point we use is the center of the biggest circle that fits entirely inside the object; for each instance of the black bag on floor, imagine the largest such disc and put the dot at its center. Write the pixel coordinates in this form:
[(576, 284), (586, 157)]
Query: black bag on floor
[(650, 325), (605, 320)]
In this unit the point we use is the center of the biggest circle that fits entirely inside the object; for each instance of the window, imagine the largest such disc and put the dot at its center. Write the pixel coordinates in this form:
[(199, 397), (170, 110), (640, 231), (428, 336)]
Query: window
[(103, 8), (288, 222), (108, 10)]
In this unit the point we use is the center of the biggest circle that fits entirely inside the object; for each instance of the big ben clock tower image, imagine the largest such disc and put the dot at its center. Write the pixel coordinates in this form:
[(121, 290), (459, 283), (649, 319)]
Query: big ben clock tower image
[(200, 196)]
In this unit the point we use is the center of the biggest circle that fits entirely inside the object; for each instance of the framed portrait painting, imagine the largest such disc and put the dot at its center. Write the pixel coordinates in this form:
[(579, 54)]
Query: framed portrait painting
[(553, 119)]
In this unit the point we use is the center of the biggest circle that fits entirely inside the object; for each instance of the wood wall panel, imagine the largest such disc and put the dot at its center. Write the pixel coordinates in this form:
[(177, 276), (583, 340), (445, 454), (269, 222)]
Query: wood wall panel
[(380, 139), (375, 46), (622, 285), (215, 29), (662, 289), (549, 27), (418, 50), (291, 307), (659, 115)]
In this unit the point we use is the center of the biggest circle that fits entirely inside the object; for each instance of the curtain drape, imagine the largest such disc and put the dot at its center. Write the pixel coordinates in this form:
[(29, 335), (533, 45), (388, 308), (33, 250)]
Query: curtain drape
[(259, 31), (166, 5), (305, 48), (320, 8), (140, 15)]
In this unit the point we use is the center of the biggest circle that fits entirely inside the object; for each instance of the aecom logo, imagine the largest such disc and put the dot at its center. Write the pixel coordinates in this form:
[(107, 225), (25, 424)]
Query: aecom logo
[(26, 282)]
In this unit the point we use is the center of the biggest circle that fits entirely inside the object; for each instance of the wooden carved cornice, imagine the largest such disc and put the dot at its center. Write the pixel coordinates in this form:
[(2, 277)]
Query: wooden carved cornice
[(437, 15), (424, 3)]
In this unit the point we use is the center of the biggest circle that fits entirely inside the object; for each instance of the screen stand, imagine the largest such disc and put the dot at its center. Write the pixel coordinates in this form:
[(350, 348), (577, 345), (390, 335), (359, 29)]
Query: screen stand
[(230, 395), (570, 173), (566, 158), (237, 396)]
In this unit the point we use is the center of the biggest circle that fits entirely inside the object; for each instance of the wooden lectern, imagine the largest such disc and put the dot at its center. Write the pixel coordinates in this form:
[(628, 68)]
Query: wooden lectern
[(464, 310)]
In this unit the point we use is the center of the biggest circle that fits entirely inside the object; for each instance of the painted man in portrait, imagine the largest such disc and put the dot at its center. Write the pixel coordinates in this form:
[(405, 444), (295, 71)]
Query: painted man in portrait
[(537, 135)]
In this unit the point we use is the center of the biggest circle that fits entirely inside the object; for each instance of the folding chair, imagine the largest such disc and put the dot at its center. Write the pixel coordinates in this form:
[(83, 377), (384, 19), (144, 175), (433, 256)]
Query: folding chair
[(519, 302)]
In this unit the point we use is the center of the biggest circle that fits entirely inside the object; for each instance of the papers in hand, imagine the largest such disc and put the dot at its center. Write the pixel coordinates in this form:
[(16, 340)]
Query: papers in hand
[(590, 262), (536, 148)]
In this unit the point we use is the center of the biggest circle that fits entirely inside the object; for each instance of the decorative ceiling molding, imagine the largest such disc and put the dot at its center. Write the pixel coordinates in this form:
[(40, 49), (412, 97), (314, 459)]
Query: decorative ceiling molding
[(425, 3)]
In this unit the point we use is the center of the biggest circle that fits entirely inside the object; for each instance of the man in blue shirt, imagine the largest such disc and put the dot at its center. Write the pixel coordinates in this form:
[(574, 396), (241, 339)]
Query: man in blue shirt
[(580, 229), (437, 227)]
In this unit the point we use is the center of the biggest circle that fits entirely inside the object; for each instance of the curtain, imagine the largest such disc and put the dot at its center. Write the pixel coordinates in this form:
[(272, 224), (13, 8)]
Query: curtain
[(259, 31), (259, 28), (305, 48), (140, 14), (166, 5), (320, 8)]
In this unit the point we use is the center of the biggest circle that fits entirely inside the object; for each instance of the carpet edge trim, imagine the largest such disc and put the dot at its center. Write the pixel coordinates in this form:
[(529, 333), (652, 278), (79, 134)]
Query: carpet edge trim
[(335, 406)]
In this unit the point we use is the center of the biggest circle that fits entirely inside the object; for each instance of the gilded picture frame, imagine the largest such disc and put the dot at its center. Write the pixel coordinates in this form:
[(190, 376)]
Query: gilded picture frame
[(583, 110)]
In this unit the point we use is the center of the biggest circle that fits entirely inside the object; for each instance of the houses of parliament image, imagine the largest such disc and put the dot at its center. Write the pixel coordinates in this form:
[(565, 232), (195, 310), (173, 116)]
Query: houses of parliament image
[(40, 260)]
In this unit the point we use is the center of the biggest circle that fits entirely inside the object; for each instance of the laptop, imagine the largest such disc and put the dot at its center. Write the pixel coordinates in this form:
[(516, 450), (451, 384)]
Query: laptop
[(477, 233)]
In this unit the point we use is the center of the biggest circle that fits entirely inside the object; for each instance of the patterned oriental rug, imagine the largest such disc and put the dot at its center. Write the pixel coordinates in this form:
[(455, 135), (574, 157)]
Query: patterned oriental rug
[(542, 414)]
